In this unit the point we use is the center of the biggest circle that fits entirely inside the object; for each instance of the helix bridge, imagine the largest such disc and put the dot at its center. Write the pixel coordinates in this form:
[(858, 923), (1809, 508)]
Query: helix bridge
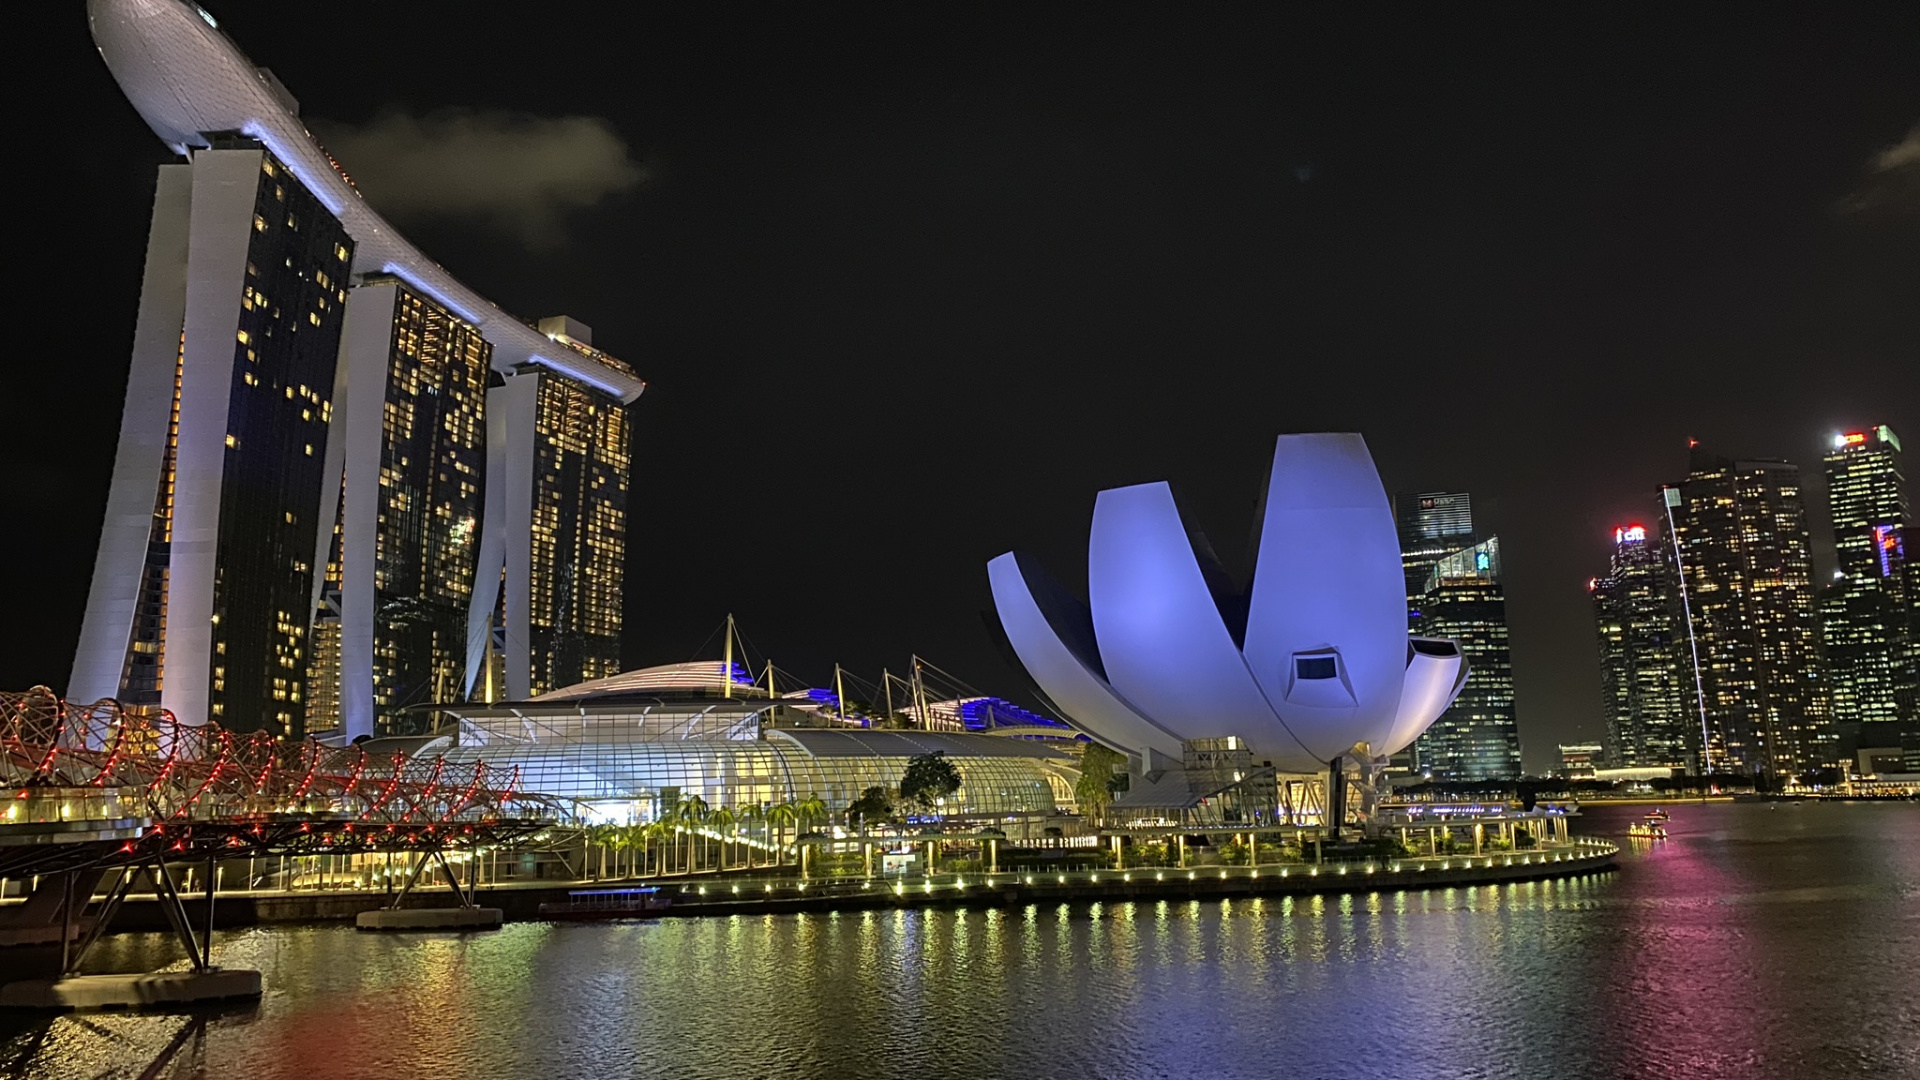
[(96, 797), (111, 784)]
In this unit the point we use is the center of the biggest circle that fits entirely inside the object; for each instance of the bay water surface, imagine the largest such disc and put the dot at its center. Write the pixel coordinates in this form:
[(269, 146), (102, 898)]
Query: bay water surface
[(1761, 942)]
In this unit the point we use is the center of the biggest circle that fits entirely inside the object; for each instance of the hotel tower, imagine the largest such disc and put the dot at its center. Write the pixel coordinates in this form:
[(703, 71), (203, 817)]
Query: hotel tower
[(345, 483)]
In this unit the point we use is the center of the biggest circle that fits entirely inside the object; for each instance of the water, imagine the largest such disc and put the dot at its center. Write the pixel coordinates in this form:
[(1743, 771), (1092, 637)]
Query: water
[(1756, 943)]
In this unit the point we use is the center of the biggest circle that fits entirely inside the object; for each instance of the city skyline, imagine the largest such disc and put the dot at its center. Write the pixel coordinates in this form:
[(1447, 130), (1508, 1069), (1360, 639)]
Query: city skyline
[(1797, 289)]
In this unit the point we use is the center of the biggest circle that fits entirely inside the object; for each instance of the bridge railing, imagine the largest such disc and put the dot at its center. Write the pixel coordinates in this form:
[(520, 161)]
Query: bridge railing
[(201, 772)]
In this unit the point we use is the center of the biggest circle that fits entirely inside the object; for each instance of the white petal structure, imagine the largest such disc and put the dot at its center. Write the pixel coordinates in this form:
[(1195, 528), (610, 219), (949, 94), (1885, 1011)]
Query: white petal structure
[(1315, 659)]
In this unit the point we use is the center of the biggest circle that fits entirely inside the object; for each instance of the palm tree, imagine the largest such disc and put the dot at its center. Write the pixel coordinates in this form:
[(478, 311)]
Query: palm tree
[(812, 809), (690, 814), (782, 816), (601, 836), (748, 815), (633, 838), (723, 821), (660, 830)]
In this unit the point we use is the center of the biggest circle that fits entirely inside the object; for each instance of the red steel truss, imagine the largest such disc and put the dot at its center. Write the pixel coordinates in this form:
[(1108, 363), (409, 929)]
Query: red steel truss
[(187, 774)]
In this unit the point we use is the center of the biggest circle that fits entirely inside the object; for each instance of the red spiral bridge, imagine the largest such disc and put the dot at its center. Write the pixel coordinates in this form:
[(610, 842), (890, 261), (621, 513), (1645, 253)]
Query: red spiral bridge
[(112, 784)]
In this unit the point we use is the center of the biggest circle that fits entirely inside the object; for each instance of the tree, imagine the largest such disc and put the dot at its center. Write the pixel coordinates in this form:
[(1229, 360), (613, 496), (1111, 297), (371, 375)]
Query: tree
[(602, 837), (781, 817), (628, 839), (750, 815), (724, 821), (662, 832), (690, 815), (929, 778), (874, 805), (1100, 777), (811, 809)]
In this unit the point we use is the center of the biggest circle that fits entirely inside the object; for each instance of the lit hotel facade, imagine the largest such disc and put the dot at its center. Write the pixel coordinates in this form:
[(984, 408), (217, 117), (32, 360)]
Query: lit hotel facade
[(345, 484)]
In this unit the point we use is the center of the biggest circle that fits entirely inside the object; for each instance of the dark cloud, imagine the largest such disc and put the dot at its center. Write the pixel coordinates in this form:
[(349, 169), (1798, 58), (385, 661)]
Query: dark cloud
[(1892, 187), (518, 173)]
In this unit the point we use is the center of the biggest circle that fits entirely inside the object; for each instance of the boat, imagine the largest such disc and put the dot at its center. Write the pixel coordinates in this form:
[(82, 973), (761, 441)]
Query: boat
[(637, 902), (1651, 827)]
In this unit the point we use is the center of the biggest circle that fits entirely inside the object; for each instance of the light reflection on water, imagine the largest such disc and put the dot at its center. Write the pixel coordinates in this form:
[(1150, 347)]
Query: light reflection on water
[(1777, 943)]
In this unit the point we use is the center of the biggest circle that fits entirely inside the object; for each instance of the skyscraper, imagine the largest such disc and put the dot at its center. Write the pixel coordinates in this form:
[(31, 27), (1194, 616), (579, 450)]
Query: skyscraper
[(547, 595), (1477, 738), (1432, 525), (245, 552), (403, 508), (1740, 533), (205, 560), (1646, 682), (1868, 618)]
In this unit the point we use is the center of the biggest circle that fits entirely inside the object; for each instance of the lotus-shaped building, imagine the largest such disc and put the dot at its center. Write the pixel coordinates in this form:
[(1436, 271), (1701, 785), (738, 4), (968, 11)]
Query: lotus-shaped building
[(1313, 663)]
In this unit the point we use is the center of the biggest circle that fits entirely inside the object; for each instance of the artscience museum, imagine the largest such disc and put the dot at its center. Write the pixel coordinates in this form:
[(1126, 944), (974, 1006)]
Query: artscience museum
[(1309, 666)]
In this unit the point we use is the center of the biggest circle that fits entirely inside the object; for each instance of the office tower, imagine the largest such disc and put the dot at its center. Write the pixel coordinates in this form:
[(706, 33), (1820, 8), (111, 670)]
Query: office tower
[(1432, 525), (547, 594), (205, 556), (1477, 738), (276, 304), (1646, 682), (1740, 534), (1868, 611), (406, 480)]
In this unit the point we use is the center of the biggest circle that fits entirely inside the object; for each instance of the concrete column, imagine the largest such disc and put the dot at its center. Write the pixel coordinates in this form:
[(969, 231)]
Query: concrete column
[(140, 454), (366, 341), (482, 605)]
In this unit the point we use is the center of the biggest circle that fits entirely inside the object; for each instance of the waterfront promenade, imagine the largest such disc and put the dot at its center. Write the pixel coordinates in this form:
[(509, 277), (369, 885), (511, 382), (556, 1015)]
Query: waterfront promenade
[(759, 893)]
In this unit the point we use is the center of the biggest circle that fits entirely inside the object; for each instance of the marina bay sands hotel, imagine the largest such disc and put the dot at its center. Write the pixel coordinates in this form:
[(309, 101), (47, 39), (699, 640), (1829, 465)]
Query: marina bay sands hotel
[(345, 483)]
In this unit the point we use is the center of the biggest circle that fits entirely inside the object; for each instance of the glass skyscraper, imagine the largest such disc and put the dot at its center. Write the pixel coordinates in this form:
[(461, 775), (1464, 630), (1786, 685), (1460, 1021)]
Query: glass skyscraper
[(206, 555), (1868, 612), (1432, 525), (409, 486), (1742, 549), (1478, 737), (1648, 696), (546, 601)]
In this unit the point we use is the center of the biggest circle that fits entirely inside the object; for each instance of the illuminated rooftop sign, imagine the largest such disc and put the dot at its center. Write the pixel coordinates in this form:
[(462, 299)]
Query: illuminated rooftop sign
[(1630, 534)]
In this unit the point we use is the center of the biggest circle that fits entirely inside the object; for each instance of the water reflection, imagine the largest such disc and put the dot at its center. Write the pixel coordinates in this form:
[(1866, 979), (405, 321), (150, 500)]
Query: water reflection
[(1751, 944)]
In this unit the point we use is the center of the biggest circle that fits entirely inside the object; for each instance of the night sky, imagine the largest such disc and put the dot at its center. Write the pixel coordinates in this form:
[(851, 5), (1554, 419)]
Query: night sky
[(910, 284)]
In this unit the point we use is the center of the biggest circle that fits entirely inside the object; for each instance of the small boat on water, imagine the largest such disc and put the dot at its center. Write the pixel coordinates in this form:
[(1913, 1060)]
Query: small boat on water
[(638, 902), (1652, 827)]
